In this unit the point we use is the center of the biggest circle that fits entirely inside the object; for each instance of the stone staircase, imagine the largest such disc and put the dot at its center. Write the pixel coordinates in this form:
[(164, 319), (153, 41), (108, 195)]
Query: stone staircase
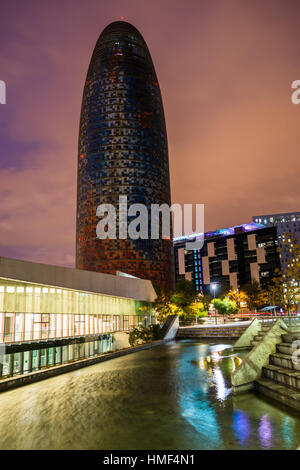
[(280, 379), (218, 331), (257, 338)]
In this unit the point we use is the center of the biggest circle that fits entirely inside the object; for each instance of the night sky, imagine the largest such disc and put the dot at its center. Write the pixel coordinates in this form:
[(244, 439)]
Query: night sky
[(225, 70)]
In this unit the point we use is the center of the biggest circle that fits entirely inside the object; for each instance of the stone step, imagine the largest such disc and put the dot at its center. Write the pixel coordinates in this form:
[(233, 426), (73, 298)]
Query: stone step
[(287, 377), (258, 337), (284, 361), (254, 343), (286, 348), (278, 392), (290, 337), (265, 328)]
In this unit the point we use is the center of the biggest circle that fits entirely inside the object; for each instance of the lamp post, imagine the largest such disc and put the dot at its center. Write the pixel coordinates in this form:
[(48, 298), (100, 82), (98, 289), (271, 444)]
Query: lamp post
[(214, 286)]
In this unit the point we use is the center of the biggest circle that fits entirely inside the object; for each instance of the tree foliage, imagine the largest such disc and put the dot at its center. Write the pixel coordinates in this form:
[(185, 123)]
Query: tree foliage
[(184, 295), (256, 295), (182, 302), (238, 297), (225, 306), (285, 287), (196, 310)]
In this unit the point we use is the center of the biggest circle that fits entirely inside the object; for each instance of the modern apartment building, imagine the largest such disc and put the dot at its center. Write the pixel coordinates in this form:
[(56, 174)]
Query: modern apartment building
[(285, 223), (230, 258)]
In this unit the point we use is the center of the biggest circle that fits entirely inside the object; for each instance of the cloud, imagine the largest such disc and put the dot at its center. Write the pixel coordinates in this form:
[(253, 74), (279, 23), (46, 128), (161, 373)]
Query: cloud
[(225, 70)]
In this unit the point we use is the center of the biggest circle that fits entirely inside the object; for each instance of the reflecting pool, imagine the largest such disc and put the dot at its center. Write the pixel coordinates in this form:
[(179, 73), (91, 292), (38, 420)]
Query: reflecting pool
[(175, 396)]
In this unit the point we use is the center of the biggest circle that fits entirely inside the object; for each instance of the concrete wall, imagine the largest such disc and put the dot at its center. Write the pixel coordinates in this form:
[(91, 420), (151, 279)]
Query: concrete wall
[(251, 368), (172, 331), (244, 341)]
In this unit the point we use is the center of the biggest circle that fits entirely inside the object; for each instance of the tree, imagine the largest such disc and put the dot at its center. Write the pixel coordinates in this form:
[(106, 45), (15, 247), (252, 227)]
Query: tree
[(238, 297), (256, 296), (185, 294), (182, 303), (205, 300), (292, 269), (196, 310), (225, 306), (285, 292), (285, 287), (162, 306)]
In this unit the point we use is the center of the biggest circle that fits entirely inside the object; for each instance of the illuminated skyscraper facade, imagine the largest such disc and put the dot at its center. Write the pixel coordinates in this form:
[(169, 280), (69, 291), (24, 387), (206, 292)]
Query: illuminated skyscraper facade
[(122, 150)]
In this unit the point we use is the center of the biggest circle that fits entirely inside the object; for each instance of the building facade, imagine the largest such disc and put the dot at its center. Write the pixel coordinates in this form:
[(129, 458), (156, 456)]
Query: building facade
[(230, 258), (51, 315), (123, 151), (285, 223)]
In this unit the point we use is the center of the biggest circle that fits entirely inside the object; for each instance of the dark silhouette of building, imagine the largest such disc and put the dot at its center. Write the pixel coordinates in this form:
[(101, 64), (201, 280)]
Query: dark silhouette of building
[(123, 150)]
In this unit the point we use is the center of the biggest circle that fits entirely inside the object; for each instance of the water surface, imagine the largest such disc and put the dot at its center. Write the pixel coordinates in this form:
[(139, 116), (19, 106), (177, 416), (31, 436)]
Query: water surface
[(175, 396)]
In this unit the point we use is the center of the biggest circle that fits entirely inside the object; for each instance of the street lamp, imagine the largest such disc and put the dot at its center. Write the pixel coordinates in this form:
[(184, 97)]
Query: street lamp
[(213, 287)]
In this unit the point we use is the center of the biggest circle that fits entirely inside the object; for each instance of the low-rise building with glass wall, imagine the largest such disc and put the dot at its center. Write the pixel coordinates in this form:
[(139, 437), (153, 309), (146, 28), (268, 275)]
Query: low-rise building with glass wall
[(51, 315)]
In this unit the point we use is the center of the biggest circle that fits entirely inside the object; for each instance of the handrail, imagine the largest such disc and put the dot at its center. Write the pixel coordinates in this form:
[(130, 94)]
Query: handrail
[(223, 319)]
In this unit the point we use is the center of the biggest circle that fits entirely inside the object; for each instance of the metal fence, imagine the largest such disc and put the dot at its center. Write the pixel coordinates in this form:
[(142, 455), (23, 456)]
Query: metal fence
[(292, 320)]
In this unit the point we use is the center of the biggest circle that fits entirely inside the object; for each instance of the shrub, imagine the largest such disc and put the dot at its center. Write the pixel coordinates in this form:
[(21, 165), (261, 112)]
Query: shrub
[(143, 334)]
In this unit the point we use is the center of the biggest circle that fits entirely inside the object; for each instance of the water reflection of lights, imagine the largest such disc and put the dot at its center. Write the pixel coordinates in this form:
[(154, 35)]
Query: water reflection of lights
[(215, 356), (202, 417), (221, 390), (288, 431), (236, 362), (241, 426), (265, 432)]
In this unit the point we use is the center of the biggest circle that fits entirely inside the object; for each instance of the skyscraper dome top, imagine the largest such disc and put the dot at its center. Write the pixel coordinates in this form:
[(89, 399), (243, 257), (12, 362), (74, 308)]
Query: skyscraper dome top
[(118, 29)]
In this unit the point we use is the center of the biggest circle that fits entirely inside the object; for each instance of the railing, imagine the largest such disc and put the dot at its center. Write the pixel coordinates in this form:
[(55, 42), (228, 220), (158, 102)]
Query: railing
[(215, 320), (292, 320)]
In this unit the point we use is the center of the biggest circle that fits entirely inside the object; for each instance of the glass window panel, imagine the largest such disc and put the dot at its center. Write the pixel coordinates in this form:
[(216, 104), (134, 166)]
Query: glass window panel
[(28, 327), (26, 362), (8, 326), (65, 354), (65, 325), (6, 364), (18, 364), (50, 356), (35, 360), (58, 355), (71, 353), (43, 354), (76, 351)]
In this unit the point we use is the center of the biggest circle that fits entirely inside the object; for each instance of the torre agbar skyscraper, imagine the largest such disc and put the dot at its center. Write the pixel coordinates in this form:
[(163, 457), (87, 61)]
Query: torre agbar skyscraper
[(123, 151)]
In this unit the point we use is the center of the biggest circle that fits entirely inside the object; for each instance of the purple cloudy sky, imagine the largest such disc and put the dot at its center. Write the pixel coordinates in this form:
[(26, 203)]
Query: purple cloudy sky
[(225, 70)]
